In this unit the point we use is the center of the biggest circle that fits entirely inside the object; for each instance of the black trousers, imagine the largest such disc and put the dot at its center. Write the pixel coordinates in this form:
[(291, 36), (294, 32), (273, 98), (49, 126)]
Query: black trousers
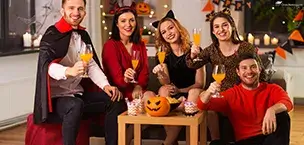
[(71, 111), (279, 137)]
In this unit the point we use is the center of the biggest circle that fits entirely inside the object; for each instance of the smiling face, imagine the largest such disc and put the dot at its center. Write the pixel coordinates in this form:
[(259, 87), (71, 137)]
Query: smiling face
[(222, 29), (73, 11), (157, 106), (126, 24), (249, 73), (169, 32)]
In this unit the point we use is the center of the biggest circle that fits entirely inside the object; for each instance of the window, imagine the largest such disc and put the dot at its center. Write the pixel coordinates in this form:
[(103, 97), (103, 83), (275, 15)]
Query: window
[(16, 18)]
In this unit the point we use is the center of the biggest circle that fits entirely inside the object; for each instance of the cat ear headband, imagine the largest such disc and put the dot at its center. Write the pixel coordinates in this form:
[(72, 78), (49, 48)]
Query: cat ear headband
[(170, 14), (211, 15)]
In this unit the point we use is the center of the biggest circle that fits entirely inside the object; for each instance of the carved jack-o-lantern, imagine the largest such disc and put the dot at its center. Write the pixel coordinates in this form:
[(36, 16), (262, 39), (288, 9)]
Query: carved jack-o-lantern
[(143, 8), (157, 106)]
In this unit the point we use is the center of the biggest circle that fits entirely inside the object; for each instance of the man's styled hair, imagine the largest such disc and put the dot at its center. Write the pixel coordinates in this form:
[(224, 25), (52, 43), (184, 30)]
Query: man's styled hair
[(63, 2), (247, 56)]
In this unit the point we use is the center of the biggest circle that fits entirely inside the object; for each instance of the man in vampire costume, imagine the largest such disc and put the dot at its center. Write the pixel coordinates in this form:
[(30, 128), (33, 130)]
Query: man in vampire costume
[(60, 88)]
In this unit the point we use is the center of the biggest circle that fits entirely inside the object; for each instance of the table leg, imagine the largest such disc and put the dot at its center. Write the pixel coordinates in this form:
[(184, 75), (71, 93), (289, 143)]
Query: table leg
[(187, 135), (121, 133), (137, 134), (193, 134), (203, 132)]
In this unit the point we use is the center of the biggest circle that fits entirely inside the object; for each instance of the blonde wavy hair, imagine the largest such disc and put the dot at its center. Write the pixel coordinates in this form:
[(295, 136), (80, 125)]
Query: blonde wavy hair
[(184, 37)]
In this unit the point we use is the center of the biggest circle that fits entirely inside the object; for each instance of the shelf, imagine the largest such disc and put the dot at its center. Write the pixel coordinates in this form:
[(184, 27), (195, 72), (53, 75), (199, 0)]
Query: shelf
[(144, 16)]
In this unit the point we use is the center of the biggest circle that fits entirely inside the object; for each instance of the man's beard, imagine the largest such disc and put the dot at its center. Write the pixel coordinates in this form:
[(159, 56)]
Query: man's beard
[(254, 84)]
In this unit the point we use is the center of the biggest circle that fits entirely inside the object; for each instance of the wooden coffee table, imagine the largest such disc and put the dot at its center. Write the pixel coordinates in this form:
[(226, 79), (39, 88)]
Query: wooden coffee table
[(193, 125)]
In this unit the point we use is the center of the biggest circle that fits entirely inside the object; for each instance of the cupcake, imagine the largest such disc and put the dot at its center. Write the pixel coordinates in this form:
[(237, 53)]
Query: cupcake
[(132, 108), (190, 108)]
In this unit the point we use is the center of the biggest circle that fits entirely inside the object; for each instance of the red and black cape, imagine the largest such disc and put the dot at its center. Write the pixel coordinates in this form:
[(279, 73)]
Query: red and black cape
[(53, 47)]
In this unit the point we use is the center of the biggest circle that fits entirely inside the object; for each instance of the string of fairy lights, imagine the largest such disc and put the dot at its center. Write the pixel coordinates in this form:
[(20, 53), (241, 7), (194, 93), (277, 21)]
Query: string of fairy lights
[(145, 27)]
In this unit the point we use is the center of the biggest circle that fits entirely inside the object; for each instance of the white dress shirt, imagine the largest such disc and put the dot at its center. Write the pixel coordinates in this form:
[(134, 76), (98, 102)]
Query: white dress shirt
[(63, 86)]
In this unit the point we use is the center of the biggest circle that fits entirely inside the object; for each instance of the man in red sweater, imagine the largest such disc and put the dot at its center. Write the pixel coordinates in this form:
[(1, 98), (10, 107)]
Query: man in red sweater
[(257, 110)]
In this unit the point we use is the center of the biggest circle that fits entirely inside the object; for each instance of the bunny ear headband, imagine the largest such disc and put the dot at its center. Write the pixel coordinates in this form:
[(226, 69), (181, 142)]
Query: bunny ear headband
[(211, 15), (170, 14)]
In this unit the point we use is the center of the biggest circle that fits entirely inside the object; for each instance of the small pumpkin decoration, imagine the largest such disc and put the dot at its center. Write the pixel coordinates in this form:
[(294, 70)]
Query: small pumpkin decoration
[(143, 8), (157, 106)]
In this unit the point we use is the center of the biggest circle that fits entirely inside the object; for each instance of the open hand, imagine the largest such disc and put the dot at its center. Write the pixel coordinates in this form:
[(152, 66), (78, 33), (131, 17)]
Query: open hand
[(113, 92), (269, 122)]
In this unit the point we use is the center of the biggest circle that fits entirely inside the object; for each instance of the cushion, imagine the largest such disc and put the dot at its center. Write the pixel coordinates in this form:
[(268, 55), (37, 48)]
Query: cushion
[(50, 134), (267, 59)]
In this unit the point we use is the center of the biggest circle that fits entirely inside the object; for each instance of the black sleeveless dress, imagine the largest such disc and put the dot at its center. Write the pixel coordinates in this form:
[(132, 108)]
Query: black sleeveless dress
[(180, 75)]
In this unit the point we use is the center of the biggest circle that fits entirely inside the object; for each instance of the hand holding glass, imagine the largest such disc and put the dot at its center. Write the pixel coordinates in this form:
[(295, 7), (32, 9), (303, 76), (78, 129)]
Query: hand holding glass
[(135, 61), (197, 40), (86, 54), (161, 57), (218, 74)]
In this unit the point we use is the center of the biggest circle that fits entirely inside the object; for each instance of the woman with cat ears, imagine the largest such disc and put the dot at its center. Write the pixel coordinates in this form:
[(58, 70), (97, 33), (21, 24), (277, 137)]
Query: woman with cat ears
[(173, 39)]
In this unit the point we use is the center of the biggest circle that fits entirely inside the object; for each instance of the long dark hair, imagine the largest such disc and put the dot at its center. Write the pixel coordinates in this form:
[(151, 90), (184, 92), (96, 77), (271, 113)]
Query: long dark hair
[(135, 37), (234, 36)]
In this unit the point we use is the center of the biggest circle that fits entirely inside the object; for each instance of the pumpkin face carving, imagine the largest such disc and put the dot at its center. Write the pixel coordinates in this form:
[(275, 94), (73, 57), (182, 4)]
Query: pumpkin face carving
[(143, 8), (157, 106)]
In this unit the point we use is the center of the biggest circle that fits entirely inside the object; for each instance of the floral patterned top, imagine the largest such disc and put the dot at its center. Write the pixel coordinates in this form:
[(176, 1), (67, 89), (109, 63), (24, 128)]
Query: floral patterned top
[(213, 55)]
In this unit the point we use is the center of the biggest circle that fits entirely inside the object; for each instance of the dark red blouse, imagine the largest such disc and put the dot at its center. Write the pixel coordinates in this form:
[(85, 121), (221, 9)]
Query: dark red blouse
[(116, 60)]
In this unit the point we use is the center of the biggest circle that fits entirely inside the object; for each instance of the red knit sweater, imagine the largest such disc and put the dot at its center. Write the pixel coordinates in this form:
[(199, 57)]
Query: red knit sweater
[(116, 60), (246, 108)]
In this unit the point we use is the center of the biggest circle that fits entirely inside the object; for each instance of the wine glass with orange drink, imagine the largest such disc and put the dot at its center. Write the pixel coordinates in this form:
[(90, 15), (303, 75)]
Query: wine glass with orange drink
[(161, 54), (135, 61), (86, 54), (218, 75), (197, 40)]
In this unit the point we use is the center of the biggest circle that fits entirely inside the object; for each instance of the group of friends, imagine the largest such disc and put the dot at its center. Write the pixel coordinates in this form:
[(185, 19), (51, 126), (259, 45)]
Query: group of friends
[(257, 110)]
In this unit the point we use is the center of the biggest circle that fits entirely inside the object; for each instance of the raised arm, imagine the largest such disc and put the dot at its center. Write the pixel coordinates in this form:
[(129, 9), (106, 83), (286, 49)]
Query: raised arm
[(206, 102), (203, 55)]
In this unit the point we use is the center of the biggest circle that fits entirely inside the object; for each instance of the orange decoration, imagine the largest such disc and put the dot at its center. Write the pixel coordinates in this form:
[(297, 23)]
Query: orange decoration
[(208, 7), (299, 16), (157, 106), (296, 35), (281, 52), (143, 8)]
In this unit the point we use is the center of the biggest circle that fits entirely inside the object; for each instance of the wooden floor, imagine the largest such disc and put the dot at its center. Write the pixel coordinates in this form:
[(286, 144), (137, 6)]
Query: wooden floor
[(15, 136)]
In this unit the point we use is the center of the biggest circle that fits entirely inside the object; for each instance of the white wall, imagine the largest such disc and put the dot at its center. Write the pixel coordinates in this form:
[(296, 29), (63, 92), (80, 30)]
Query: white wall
[(188, 12), (17, 80), (18, 73)]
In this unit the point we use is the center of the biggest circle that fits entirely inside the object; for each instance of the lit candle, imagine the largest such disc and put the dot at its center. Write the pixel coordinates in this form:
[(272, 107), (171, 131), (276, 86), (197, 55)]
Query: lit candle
[(27, 40), (241, 37), (250, 38), (274, 41), (37, 41), (256, 41), (266, 39)]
